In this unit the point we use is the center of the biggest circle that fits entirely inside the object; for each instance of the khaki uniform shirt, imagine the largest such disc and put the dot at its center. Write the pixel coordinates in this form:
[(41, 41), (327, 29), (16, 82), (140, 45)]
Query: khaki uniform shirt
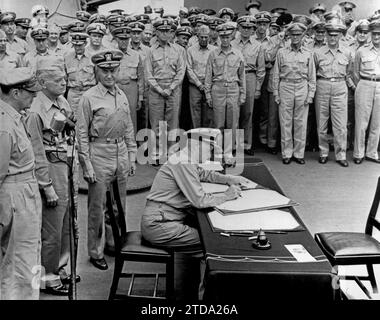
[(38, 124), (16, 154), (196, 63), (18, 46), (131, 68), (253, 57), (367, 62), (141, 49), (95, 120), (31, 58), (10, 60), (164, 63), (295, 65), (225, 67), (330, 64), (80, 72)]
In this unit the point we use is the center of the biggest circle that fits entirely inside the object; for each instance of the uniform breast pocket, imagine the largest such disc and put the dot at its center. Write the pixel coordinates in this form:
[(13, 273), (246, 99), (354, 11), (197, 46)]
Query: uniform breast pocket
[(369, 63), (22, 144), (158, 62), (342, 66), (303, 65), (88, 69), (218, 66), (101, 112), (132, 68)]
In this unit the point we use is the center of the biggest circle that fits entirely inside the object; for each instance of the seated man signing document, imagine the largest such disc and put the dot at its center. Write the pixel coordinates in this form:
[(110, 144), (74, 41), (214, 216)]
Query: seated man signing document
[(177, 187)]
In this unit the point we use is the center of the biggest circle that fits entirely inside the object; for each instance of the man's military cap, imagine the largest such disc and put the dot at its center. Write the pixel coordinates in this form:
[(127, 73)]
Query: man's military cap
[(226, 11), (39, 33), (296, 28), (159, 10), (279, 10), (23, 22), (116, 20), (374, 25), (201, 18), (184, 22), (246, 21), (263, 16), (39, 9), (184, 10), (209, 12), (284, 19), (109, 58), (23, 77), (302, 19), (253, 3), (143, 18), (213, 22), (334, 22), (79, 38), (100, 18), (363, 25), (64, 29), (169, 16), (96, 28), (83, 15), (347, 5), (183, 31), (318, 25), (318, 6), (6, 17), (116, 11), (129, 19), (225, 29), (148, 9), (194, 10), (77, 26), (275, 25), (136, 26), (123, 32), (163, 24)]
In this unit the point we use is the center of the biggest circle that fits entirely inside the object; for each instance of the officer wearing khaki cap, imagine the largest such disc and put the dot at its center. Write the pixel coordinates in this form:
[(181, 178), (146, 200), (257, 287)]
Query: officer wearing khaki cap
[(15, 44), (227, 14), (83, 16), (8, 59), (293, 89), (96, 32), (19, 193), (253, 7), (105, 127), (225, 88), (22, 27)]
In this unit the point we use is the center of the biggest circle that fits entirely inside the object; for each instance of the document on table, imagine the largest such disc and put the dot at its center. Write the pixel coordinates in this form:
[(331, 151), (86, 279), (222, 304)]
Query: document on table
[(265, 220), (219, 188), (256, 200), (299, 252)]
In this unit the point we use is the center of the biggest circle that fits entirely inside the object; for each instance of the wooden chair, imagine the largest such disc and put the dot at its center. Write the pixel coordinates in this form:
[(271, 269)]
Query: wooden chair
[(353, 248), (129, 247)]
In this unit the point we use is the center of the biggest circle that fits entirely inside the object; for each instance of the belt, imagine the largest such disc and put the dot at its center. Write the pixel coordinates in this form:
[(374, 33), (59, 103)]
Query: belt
[(337, 79), (20, 177), (250, 71), (374, 78), (226, 83), (292, 80), (107, 140)]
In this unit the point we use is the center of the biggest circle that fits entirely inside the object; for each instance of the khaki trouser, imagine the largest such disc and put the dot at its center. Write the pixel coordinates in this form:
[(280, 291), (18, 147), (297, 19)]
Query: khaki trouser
[(109, 161), (293, 118), (263, 103), (55, 252), (350, 118), (163, 109), (367, 116), (131, 91), (246, 110), (201, 113), (225, 101), (20, 238), (331, 101)]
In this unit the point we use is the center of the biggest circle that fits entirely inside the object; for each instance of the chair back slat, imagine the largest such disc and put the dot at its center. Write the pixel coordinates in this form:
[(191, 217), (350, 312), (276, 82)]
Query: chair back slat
[(371, 221)]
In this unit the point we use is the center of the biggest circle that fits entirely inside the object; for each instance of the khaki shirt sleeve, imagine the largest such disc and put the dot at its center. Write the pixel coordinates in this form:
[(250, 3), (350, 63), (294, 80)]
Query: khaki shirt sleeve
[(140, 78), (189, 182), (84, 121), (149, 73), (129, 137), (212, 176), (5, 154), (34, 126), (356, 67), (180, 70), (276, 75), (241, 76), (260, 70)]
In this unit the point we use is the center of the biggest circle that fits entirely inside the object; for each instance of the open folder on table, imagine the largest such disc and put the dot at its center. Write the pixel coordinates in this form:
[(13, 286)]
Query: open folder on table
[(255, 200), (265, 220)]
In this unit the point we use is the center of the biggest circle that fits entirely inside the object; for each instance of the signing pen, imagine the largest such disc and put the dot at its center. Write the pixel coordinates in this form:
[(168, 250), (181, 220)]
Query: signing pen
[(224, 234)]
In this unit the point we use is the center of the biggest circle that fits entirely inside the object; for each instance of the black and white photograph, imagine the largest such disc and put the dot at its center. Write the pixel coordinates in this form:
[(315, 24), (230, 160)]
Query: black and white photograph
[(190, 158)]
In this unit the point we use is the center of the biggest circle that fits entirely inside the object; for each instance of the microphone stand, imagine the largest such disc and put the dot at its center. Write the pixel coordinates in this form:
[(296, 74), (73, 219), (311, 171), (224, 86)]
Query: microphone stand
[(74, 233)]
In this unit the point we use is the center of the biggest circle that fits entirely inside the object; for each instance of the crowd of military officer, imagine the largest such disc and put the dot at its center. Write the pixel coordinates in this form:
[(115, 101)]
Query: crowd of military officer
[(291, 82)]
